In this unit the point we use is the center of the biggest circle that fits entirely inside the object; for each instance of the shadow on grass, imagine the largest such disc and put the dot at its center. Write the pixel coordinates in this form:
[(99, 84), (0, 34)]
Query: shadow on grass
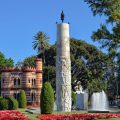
[(31, 116)]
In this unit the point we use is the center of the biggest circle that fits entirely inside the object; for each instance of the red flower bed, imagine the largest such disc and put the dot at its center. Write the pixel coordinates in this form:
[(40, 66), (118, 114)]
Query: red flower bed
[(76, 116), (12, 115)]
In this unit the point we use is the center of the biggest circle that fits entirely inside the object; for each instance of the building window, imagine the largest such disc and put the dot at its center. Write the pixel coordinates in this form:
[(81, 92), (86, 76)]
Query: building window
[(16, 95), (34, 82), (29, 80), (18, 82), (15, 82), (33, 97)]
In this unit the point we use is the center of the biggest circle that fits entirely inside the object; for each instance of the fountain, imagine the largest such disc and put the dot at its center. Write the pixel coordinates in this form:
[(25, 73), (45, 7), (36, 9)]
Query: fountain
[(99, 102)]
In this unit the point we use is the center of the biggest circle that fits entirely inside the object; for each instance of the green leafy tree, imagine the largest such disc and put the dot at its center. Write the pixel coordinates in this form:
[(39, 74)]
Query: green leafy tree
[(4, 62), (2, 59), (29, 61), (22, 99), (9, 62), (47, 99), (109, 8), (49, 75), (19, 64), (109, 38), (87, 64)]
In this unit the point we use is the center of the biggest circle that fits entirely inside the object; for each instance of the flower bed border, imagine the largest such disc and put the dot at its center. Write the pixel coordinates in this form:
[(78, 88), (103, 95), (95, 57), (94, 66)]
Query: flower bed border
[(12, 115), (77, 116)]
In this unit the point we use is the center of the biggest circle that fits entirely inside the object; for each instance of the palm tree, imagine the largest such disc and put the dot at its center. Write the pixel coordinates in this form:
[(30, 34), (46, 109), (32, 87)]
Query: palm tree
[(41, 43)]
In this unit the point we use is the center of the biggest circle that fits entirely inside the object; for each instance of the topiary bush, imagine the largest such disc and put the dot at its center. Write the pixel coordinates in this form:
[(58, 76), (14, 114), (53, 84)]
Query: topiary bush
[(47, 99), (4, 104), (22, 99), (13, 103)]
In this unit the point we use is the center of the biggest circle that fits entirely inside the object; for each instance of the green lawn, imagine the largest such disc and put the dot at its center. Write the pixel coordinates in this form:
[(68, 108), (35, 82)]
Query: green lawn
[(30, 116)]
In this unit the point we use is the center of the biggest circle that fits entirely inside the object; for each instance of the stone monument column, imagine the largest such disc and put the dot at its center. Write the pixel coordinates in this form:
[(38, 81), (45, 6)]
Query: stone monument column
[(63, 68)]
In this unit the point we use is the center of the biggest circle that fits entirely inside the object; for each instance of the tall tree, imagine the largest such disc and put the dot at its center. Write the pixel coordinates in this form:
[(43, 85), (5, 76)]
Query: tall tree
[(41, 43), (109, 38), (87, 62), (109, 8)]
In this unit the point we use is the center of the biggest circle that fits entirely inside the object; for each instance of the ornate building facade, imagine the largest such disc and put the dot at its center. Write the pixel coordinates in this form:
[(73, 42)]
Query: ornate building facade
[(14, 79)]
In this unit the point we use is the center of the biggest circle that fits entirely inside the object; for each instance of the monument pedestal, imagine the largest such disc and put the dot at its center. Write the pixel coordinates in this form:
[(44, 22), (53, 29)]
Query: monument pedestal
[(82, 101)]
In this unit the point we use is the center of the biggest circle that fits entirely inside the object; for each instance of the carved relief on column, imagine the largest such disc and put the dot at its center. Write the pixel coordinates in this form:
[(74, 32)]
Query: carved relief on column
[(64, 70), (66, 95)]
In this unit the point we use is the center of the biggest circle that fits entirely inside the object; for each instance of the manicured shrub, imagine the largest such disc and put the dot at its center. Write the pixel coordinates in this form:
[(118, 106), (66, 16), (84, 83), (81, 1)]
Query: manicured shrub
[(4, 104), (47, 99), (13, 103), (22, 99)]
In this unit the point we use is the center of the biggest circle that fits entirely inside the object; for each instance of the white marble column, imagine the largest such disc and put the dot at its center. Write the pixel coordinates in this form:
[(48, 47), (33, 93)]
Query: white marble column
[(63, 69)]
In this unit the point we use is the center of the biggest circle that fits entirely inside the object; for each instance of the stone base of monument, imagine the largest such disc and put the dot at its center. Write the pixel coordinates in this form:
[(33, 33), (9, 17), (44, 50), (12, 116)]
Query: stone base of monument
[(82, 101), (98, 111)]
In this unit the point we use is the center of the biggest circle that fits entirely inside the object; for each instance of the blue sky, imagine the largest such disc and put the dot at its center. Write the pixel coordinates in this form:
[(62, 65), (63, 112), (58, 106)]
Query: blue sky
[(20, 20)]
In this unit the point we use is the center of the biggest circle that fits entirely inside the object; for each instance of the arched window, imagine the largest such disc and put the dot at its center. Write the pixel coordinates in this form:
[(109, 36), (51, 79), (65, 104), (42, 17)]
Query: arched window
[(15, 82), (18, 82), (29, 80), (34, 82), (33, 97)]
